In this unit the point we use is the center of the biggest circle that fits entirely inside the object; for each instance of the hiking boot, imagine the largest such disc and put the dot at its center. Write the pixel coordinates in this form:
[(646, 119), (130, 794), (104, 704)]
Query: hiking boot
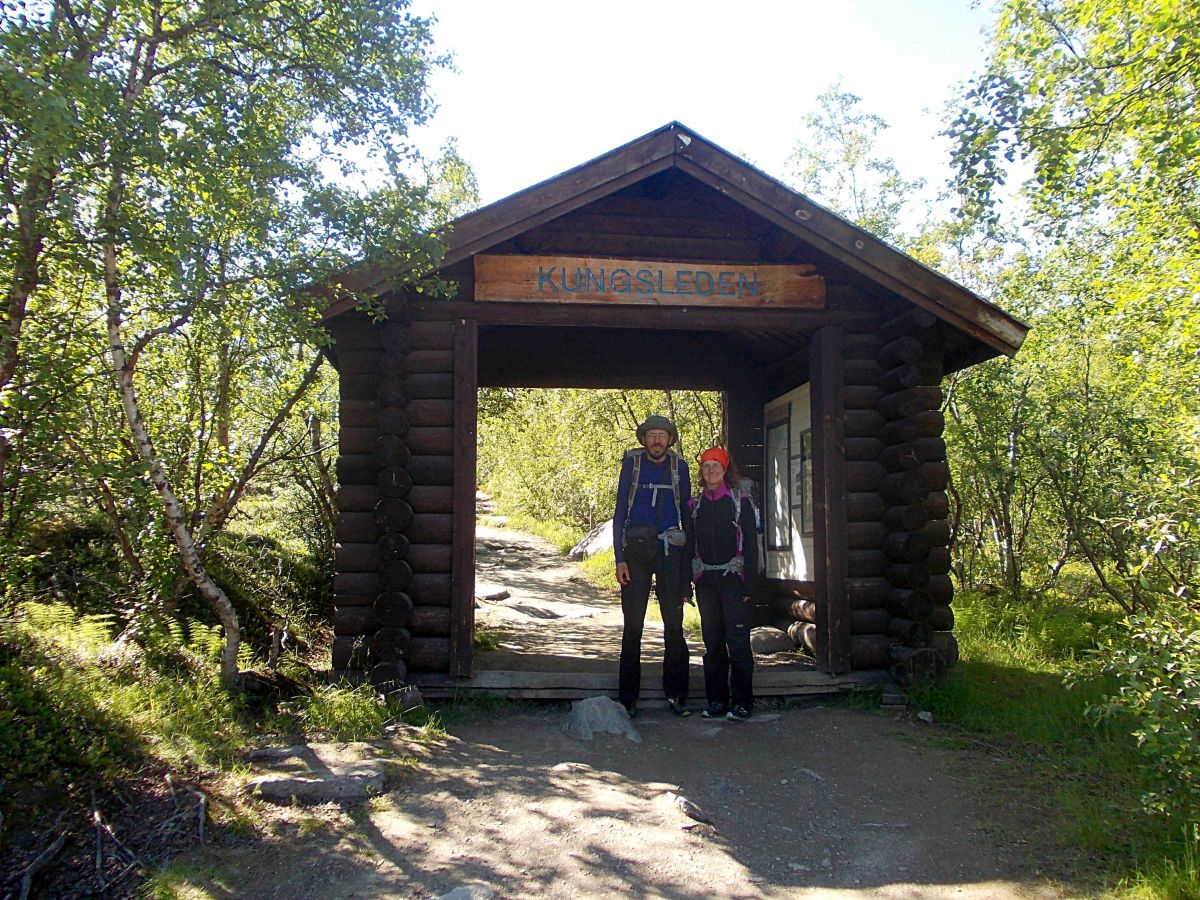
[(679, 707), (713, 711), (738, 714)]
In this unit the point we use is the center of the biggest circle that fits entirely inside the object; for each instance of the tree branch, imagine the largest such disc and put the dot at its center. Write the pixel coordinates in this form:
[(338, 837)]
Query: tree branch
[(223, 505)]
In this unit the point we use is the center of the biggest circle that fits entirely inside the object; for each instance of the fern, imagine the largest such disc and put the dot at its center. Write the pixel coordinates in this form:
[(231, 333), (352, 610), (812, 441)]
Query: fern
[(70, 632), (206, 641)]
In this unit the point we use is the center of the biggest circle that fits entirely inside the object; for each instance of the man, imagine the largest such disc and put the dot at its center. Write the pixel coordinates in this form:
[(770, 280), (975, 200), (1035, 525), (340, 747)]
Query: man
[(648, 541)]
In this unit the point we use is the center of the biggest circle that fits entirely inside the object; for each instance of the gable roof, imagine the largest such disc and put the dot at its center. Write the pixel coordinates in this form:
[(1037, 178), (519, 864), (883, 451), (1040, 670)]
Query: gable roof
[(674, 146)]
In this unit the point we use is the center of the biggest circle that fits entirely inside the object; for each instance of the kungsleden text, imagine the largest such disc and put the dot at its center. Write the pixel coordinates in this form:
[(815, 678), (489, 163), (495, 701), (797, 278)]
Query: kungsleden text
[(696, 282)]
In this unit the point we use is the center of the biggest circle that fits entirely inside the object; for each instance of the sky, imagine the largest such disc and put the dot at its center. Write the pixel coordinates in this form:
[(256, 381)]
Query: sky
[(541, 87)]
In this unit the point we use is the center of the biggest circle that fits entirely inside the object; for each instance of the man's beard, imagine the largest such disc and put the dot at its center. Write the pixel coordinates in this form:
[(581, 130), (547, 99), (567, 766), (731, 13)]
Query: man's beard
[(657, 453)]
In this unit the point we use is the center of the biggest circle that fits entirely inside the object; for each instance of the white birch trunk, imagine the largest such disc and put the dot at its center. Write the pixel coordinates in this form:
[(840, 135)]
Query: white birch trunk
[(123, 370)]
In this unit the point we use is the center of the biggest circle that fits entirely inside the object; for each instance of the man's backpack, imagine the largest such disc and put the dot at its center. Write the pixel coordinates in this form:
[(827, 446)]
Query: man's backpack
[(638, 454)]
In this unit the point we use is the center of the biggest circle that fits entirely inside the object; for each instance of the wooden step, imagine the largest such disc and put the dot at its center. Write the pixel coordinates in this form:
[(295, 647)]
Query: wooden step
[(777, 682)]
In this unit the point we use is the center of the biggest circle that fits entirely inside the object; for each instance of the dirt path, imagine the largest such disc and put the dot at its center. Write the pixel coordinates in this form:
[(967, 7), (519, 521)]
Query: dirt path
[(805, 801), (552, 619)]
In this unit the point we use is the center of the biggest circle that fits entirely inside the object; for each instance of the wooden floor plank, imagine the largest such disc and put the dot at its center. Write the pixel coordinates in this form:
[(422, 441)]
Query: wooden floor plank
[(577, 685)]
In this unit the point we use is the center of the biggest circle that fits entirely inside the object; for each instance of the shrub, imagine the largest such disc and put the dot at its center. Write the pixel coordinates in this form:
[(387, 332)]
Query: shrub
[(1158, 683), (1056, 625)]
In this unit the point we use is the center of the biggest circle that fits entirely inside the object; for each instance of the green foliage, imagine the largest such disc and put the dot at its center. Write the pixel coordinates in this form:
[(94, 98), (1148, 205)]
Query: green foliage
[(1078, 745), (74, 710), (1060, 626), (555, 455), (1176, 877), (52, 729), (1086, 448), (345, 713), (837, 163), (1098, 95), (454, 188), (272, 585), (563, 537), (1082, 449), (485, 638), (174, 181), (1157, 674), (600, 569)]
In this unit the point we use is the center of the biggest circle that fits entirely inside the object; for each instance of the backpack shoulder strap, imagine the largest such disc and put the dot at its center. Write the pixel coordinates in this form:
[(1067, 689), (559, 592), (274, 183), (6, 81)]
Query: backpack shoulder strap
[(637, 455), (675, 486), (737, 520)]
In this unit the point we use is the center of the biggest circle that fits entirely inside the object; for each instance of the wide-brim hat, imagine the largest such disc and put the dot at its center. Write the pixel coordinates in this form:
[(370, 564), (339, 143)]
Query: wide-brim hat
[(662, 423)]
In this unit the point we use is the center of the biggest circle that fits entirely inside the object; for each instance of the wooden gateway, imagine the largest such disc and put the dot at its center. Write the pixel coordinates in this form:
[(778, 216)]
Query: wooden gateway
[(667, 262)]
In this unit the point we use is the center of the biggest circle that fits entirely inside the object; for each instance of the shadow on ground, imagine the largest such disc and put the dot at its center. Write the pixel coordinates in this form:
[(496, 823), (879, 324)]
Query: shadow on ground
[(804, 801)]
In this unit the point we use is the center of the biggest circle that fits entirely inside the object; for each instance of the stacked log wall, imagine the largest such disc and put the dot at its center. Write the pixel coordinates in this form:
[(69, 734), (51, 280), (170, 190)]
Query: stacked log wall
[(867, 587), (358, 353), (914, 477), (394, 527)]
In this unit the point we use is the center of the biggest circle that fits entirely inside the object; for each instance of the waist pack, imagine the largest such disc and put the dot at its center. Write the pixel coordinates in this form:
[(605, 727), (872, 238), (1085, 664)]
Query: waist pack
[(642, 544)]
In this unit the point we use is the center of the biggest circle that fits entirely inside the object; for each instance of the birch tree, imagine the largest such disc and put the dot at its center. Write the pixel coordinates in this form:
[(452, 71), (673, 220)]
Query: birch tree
[(179, 161)]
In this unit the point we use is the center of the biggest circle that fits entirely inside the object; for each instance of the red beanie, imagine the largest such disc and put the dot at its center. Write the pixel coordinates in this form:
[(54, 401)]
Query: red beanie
[(717, 454)]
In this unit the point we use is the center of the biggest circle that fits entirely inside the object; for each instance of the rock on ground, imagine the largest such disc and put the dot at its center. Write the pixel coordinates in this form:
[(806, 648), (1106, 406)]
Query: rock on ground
[(595, 541), (319, 773), (599, 714)]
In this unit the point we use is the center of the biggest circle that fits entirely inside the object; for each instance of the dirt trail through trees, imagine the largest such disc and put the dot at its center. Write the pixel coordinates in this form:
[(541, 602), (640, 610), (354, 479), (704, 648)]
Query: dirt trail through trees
[(804, 800)]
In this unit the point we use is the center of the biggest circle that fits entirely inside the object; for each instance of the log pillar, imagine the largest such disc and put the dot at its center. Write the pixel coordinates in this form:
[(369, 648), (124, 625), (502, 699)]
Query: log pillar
[(395, 531), (462, 570), (913, 460), (826, 362)]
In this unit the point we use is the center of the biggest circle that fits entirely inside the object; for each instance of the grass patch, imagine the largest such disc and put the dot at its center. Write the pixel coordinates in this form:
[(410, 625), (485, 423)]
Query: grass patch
[(469, 707), (344, 712), (73, 712), (600, 570), (857, 700), (1009, 689), (182, 880), (70, 712), (1174, 877), (486, 638)]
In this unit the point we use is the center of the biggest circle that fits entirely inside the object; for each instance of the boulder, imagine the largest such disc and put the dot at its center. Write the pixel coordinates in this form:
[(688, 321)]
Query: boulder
[(490, 593), (473, 891), (407, 696), (347, 786), (320, 772), (595, 541), (595, 714)]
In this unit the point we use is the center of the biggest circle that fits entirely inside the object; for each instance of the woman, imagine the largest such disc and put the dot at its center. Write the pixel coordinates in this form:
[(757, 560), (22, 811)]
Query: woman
[(723, 546)]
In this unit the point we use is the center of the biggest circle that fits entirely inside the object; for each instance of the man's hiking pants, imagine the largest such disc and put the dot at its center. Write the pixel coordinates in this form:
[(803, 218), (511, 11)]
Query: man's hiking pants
[(667, 571)]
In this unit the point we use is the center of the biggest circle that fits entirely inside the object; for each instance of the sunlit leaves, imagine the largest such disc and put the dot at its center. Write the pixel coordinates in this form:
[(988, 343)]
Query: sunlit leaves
[(838, 163), (556, 454), (168, 166)]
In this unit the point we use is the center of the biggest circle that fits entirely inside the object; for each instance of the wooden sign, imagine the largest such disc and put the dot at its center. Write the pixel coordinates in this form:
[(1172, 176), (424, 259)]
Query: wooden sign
[(564, 279)]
